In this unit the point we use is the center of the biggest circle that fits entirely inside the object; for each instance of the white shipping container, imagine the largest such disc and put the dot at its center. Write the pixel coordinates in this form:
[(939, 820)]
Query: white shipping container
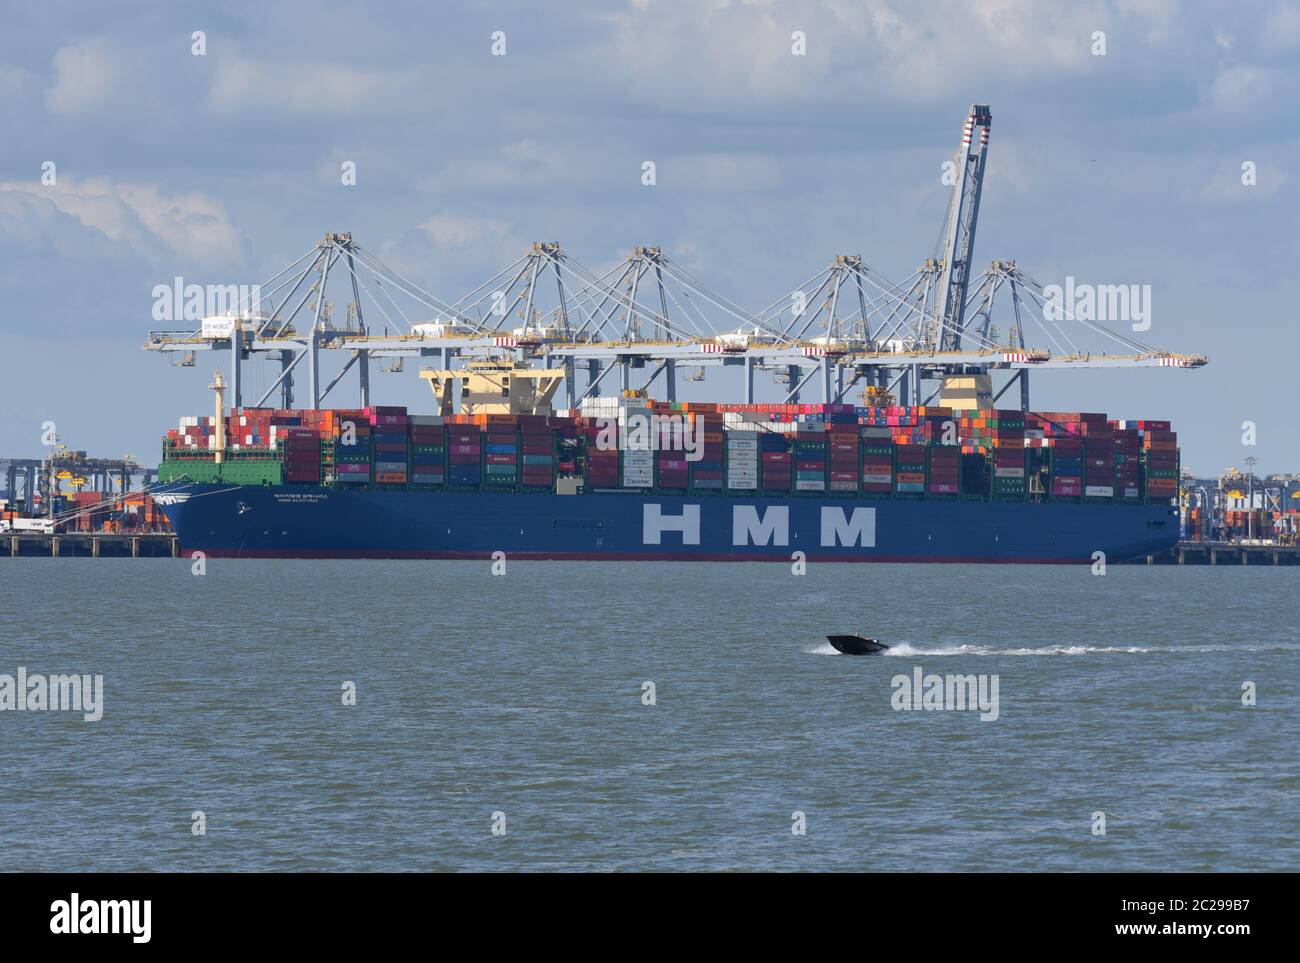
[(1099, 491), (43, 525), (217, 326), (1009, 472), (810, 486), (742, 444), (881, 479), (742, 483)]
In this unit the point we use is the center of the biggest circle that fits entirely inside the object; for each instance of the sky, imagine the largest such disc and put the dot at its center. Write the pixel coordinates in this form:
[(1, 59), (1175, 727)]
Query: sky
[(1117, 168)]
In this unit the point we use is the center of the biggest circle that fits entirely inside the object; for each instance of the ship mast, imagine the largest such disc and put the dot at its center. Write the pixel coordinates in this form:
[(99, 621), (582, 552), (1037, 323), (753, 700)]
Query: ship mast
[(218, 387)]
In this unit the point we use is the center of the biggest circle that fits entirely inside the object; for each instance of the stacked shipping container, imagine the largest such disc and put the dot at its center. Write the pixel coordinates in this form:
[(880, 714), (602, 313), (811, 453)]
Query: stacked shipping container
[(814, 449), (537, 452)]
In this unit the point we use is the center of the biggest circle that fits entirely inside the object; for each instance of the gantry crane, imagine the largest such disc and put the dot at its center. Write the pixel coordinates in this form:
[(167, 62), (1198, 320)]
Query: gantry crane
[(848, 326)]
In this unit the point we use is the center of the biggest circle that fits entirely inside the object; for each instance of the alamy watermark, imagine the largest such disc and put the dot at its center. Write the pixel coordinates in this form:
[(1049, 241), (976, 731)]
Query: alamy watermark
[(54, 693), (1098, 302), (179, 301), (933, 693), (129, 917), (651, 433)]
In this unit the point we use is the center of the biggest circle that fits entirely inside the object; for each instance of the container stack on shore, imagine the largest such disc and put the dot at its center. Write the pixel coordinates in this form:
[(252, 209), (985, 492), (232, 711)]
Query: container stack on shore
[(634, 444)]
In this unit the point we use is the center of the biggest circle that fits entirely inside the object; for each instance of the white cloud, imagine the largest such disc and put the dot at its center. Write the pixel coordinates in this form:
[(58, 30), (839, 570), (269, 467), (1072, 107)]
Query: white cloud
[(453, 244), (85, 77), (729, 52), (1282, 29), (141, 215), (16, 86), (241, 83), (719, 172), (719, 51), (452, 232), (1242, 88), (521, 164)]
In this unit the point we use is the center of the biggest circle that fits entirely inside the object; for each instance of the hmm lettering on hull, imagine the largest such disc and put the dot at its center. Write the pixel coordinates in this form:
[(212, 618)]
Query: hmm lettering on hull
[(751, 525), (654, 523)]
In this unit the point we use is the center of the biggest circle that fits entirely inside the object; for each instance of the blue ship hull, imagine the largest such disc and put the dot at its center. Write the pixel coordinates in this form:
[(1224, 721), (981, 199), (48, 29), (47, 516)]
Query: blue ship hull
[(318, 522)]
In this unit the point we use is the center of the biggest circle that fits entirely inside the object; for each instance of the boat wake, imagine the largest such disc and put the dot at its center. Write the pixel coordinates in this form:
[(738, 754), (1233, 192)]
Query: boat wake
[(908, 650)]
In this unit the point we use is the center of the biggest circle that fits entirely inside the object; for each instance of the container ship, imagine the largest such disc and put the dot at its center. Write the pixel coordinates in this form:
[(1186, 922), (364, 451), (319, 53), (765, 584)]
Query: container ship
[(634, 479)]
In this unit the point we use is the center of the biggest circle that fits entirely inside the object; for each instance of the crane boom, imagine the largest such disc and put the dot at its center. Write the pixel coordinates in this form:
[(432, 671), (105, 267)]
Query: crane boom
[(959, 236)]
